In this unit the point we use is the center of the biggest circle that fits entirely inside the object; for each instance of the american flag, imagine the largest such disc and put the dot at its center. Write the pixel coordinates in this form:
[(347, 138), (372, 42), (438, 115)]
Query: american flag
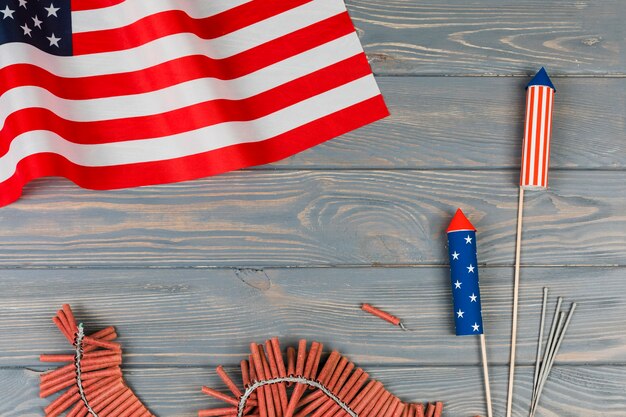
[(468, 316), (113, 93), (537, 133)]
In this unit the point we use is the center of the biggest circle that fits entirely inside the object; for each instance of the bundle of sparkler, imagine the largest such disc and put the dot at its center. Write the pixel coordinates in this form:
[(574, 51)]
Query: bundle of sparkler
[(543, 364)]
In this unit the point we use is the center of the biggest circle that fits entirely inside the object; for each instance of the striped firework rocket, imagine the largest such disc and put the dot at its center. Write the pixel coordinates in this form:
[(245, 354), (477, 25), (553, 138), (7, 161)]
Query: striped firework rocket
[(534, 175), (537, 133), (113, 94)]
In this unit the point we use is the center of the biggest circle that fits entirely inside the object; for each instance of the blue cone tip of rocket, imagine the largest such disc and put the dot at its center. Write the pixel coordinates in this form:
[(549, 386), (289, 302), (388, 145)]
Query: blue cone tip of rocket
[(541, 78)]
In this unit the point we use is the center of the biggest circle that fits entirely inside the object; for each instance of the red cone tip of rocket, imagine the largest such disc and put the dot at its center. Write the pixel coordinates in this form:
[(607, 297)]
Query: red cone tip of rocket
[(460, 222)]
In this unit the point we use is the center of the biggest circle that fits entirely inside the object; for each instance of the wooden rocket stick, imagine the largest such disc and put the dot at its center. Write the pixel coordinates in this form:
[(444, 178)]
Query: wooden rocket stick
[(483, 351), (518, 247)]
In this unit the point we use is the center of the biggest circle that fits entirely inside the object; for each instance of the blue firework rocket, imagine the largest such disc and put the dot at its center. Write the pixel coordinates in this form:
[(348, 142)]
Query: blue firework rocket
[(464, 276)]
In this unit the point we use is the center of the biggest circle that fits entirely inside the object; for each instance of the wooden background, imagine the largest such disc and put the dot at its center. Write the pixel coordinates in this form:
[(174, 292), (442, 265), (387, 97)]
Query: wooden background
[(190, 273)]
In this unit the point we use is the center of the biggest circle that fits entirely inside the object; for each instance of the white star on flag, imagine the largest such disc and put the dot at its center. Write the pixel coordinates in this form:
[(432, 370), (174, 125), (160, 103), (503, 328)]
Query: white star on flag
[(459, 314), (470, 269), (53, 40), (472, 298), (455, 255), (26, 30), (475, 327), (37, 22), (468, 240), (23, 3), (7, 13), (457, 284), (52, 11)]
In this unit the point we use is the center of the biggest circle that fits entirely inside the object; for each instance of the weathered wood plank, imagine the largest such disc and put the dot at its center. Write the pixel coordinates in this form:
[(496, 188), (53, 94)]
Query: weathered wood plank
[(572, 391), (477, 123), (207, 317), (304, 218), (492, 37)]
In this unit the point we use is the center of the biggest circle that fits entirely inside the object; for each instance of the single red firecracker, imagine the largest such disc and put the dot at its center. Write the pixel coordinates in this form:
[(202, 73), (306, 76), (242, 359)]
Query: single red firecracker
[(368, 308)]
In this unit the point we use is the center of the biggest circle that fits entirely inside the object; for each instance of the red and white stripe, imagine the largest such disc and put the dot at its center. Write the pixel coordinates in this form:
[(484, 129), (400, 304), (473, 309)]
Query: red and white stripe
[(171, 90), (538, 130)]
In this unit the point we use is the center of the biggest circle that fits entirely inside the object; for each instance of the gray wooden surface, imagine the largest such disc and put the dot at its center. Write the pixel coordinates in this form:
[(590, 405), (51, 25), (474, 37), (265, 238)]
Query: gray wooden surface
[(190, 273), (215, 313)]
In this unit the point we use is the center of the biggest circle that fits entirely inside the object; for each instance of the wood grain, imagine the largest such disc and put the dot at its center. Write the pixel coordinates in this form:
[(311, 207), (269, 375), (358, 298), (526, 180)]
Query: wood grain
[(190, 273), (203, 317), (477, 123), (491, 37), (571, 391), (305, 218)]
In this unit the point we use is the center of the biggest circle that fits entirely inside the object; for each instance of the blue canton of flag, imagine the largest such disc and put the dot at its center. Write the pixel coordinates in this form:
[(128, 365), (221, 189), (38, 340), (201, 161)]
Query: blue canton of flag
[(45, 24), (464, 276)]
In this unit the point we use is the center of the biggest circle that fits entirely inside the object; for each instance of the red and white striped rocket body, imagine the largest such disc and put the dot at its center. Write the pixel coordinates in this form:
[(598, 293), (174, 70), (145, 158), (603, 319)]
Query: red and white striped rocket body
[(537, 133)]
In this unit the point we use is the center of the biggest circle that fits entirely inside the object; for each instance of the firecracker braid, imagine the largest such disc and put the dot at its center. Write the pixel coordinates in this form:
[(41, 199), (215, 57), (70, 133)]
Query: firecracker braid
[(93, 377), (94, 385), (339, 389)]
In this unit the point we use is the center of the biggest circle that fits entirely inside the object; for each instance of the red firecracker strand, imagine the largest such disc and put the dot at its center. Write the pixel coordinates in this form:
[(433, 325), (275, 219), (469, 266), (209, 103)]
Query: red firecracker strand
[(307, 387), (300, 383), (92, 376)]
